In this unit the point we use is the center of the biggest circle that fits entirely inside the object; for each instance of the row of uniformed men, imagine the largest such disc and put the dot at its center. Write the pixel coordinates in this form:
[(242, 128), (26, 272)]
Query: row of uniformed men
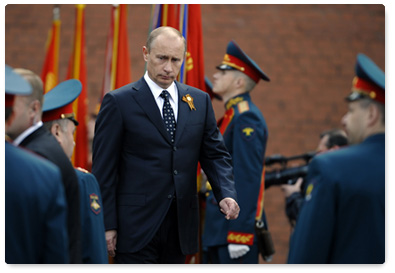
[(53, 211)]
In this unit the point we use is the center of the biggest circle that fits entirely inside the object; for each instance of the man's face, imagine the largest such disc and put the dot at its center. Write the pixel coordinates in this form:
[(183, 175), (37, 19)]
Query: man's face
[(23, 116), (66, 138), (165, 59), (223, 80), (355, 122), (322, 145)]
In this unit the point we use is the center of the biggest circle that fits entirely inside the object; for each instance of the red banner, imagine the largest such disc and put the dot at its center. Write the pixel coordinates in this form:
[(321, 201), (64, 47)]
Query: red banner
[(77, 70), (49, 73)]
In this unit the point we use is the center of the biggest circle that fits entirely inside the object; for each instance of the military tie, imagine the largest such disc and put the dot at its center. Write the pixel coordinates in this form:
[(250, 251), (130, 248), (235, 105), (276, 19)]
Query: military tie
[(168, 115)]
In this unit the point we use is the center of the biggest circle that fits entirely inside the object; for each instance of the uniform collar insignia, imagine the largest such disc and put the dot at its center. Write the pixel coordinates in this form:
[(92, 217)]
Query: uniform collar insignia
[(233, 102)]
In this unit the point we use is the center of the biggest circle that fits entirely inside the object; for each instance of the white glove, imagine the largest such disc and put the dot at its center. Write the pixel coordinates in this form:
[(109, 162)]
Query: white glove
[(236, 251)]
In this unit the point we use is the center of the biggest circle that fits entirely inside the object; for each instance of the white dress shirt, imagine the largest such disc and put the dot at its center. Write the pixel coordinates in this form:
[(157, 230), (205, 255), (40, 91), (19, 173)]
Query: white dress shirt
[(27, 133), (157, 90)]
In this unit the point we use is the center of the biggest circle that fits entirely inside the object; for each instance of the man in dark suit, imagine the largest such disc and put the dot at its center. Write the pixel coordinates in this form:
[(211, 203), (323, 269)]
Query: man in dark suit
[(343, 217), (59, 119), (147, 169), (245, 133), (35, 204), (27, 131)]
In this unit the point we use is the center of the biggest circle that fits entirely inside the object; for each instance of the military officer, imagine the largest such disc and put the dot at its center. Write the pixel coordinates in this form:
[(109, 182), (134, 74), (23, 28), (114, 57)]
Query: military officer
[(245, 134), (35, 202), (27, 131), (59, 119), (342, 220)]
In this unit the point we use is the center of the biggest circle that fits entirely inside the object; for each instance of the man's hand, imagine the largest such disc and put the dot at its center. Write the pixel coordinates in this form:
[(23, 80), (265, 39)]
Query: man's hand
[(230, 208), (111, 239), (236, 251), (290, 189)]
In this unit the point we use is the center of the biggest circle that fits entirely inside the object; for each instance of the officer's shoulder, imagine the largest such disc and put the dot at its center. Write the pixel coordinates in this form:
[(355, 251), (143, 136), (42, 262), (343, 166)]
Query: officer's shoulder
[(246, 111), (81, 172), (337, 159)]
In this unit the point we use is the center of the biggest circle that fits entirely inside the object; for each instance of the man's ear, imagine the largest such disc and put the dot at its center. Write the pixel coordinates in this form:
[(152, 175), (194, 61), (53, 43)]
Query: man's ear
[(55, 130), (373, 115), (35, 109), (35, 106), (240, 82), (145, 53)]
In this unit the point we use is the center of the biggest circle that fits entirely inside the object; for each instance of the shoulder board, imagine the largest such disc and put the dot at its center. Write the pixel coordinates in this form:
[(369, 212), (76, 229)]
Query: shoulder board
[(82, 170), (243, 106)]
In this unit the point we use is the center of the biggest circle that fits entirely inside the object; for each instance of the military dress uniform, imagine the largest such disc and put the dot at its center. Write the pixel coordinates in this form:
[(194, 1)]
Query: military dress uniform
[(44, 143), (35, 202), (94, 247), (342, 220), (58, 105), (245, 134)]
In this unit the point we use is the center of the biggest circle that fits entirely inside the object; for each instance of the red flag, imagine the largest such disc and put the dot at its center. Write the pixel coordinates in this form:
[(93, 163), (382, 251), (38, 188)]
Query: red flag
[(195, 58), (117, 64), (77, 70), (49, 73)]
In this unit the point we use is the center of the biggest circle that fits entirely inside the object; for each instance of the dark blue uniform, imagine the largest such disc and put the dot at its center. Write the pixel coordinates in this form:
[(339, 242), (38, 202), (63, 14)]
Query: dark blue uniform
[(35, 202), (94, 247), (245, 137), (343, 217), (35, 210), (58, 105)]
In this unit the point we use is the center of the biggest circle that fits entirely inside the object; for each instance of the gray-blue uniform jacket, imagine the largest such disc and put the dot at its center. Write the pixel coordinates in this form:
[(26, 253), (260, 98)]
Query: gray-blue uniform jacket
[(245, 134), (35, 210), (94, 247), (343, 216)]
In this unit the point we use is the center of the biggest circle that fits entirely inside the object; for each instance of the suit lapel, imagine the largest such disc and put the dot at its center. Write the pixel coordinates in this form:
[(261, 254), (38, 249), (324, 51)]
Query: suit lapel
[(183, 112), (147, 102)]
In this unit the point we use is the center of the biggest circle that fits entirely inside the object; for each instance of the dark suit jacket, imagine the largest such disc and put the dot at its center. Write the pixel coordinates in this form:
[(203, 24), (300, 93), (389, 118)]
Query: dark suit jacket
[(342, 220), (44, 143), (140, 171), (36, 210)]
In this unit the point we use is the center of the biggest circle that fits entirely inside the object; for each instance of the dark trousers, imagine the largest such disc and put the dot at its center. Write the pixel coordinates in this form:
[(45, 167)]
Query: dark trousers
[(164, 247)]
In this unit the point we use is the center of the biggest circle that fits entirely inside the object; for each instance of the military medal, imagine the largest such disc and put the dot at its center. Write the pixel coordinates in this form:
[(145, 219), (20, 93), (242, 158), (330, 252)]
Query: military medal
[(188, 99)]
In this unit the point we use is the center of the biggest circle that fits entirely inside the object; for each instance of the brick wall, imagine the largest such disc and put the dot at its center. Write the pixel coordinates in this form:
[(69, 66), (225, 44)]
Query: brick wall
[(308, 51)]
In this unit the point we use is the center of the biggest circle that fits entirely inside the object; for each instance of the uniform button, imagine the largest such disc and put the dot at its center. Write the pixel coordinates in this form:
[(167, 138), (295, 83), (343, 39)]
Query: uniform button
[(174, 148), (175, 172), (169, 196)]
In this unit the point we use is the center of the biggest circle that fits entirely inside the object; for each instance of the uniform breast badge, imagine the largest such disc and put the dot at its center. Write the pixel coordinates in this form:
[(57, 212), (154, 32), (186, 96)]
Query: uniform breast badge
[(188, 99)]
